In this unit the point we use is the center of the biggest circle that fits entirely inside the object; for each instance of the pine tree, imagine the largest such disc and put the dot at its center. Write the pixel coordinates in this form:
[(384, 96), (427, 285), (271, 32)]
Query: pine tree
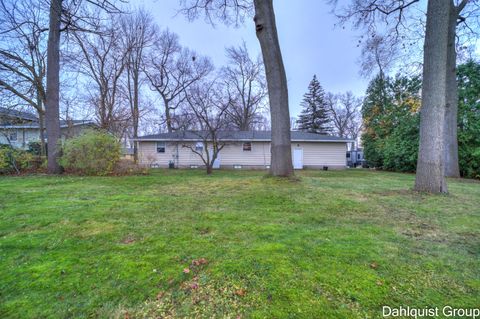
[(314, 117)]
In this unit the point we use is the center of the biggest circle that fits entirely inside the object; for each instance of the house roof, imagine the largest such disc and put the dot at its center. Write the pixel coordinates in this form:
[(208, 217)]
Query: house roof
[(260, 136), (36, 125), (11, 113)]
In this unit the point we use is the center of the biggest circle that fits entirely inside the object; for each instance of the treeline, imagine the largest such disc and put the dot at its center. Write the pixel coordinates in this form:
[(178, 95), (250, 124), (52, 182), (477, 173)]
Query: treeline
[(391, 120)]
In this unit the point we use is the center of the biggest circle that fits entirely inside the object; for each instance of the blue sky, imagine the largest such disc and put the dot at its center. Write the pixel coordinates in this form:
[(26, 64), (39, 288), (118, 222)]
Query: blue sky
[(310, 42)]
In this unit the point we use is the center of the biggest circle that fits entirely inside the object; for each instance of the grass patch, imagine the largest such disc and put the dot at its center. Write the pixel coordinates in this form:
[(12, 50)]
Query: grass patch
[(330, 244)]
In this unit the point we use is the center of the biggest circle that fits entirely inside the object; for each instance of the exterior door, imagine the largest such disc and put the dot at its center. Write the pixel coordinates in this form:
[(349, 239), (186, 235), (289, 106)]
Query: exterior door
[(298, 158)]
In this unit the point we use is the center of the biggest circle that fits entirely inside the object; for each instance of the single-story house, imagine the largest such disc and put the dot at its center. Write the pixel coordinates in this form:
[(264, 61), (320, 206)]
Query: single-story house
[(243, 149), (18, 128)]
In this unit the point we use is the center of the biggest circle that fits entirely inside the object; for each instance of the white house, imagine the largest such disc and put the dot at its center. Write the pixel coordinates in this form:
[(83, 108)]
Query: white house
[(18, 128), (242, 150)]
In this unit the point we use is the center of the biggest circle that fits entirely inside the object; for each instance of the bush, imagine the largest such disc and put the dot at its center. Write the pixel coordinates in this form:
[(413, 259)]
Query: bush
[(128, 167), (91, 153), (14, 160)]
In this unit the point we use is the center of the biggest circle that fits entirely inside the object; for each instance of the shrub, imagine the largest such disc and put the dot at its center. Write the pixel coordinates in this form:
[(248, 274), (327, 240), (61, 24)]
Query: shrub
[(14, 160), (91, 153), (128, 167)]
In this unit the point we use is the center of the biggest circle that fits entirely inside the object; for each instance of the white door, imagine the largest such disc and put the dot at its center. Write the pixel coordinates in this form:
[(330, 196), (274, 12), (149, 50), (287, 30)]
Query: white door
[(298, 158)]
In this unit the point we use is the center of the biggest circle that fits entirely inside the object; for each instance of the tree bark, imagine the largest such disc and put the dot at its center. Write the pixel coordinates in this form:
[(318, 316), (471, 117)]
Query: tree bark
[(41, 123), (53, 87), (281, 152), (431, 154), (452, 168)]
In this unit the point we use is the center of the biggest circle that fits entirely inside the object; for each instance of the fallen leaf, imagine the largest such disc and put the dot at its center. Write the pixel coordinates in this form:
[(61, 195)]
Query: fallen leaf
[(160, 295), (186, 271), (374, 265), (240, 292), (194, 286)]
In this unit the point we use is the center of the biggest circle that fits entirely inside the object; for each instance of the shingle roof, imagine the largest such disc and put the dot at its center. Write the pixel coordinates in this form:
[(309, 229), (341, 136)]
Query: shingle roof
[(296, 136), (6, 112), (36, 125)]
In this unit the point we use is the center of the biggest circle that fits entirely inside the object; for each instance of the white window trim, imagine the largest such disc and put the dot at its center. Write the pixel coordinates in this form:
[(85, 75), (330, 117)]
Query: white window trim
[(243, 146), (164, 147)]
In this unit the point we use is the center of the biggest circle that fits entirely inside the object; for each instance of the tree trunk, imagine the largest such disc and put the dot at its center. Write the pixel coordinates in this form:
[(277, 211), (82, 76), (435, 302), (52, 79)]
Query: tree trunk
[(281, 152), (451, 141), (209, 169), (168, 116), (431, 153), (136, 113), (41, 123), (53, 87)]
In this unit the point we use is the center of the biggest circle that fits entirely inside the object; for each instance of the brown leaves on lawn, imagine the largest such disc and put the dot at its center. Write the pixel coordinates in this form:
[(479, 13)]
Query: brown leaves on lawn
[(374, 265), (240, 292)]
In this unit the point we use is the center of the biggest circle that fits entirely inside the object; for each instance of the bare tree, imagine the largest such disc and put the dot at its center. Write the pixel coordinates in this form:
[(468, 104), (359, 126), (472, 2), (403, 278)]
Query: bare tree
[(208, 107), (23, 56), (73, 19), (266, 30), (345, 114), (245, 83), (138, 33), (171, 70), (103, 59)]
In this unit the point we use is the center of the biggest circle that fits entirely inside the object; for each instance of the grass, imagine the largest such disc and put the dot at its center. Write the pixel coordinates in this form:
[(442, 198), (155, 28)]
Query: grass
[(337, 244)]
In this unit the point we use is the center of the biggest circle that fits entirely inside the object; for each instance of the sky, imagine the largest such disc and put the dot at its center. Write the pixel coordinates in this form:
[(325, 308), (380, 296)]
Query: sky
[(309, 40)]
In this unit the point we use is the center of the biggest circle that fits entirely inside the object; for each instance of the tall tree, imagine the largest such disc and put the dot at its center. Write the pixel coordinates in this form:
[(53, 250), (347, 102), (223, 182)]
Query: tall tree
[(244, 78), (73, 19), (266, 31), (23, 57), (171, 70), (431, 155), (138, 33), (344, 112), (315, 114), (397, 20), (103, 59), (52, 112)]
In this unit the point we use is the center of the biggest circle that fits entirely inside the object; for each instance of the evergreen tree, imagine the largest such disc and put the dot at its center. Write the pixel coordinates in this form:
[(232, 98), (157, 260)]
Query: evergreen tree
[(314, 117)]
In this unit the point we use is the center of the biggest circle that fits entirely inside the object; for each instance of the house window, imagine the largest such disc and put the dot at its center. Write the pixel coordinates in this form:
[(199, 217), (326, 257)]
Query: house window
[(247, 146), (161, 147), (12, 136), (358, 156), (199, 147), (348, 154)]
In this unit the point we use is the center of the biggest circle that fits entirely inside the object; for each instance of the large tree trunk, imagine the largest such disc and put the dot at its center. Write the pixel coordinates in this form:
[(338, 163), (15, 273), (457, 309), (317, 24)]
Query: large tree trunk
[(431, 155), (53, 87), (451, 140), (281, 152)]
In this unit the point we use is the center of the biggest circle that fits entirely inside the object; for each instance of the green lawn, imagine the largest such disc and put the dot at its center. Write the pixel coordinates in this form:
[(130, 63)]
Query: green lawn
[(235, 244)]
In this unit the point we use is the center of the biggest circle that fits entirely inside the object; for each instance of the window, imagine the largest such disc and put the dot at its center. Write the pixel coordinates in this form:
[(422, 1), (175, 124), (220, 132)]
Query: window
[(199, 147), (348, 154), (161, 147), (247, 146), (358, 156), (12, 136)]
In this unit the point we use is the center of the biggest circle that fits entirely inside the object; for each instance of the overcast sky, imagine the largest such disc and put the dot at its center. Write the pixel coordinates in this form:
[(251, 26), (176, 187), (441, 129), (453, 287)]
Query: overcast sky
[(310, 42)]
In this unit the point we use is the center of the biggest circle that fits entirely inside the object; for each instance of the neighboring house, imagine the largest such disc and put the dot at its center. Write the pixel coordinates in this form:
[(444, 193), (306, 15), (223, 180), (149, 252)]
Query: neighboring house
[(243, 149), (355, 158), (20, 128)]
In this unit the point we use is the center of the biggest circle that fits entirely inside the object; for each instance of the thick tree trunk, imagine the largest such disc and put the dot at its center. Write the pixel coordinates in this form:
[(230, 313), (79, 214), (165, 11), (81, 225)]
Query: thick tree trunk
[(431, 154), (53, 87), (451, 140), (281, 152)]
